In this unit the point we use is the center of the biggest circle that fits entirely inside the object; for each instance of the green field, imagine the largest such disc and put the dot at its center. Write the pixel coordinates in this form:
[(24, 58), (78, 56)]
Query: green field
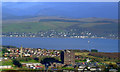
[(8, 62), (30, 61), (35, 26), (60, 25), (95, 58)]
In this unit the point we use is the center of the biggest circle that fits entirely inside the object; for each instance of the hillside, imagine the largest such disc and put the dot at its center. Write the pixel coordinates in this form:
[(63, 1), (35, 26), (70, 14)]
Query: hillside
[(99, 26)]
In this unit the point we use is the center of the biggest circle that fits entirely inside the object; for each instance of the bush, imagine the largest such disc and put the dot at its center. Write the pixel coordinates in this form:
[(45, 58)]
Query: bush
[(37, 59), (4, 50), (17, 63)]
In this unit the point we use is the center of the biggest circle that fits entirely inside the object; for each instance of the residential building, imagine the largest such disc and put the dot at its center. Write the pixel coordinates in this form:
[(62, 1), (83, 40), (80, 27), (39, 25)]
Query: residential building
[(68, 57)]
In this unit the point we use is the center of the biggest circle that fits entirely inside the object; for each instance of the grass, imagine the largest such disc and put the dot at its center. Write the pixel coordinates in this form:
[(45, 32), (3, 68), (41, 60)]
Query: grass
[(93, 25), (0, 53), (45, 26), (30, 61), (9, 62), (7, 69), (68, 68), (35, 26), (108, 62), (79, 61), (83, 53), (101, 60)]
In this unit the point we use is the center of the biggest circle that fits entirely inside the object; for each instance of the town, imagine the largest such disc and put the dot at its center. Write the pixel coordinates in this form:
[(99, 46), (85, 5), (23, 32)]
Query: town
[(14, 58), (72, 33)]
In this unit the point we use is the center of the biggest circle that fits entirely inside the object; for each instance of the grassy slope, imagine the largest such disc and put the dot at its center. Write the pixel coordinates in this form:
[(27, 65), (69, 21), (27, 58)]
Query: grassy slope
[(86, 54), (36, 25), (30, 61), (9, 62)]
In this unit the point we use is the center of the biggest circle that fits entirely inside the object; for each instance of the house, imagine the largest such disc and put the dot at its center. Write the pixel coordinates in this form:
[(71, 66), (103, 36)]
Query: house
[(113, 70), (88, 60), (81, 68), (33, 65), (3, 58), (93, 69), (6, 67)]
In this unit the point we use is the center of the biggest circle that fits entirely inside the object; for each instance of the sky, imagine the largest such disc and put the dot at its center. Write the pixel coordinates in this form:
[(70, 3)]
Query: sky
[(60, 0), (61, 9), (106, 11)]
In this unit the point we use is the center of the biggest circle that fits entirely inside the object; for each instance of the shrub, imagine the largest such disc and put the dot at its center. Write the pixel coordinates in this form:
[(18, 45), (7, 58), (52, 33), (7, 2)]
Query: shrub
[(17, 63)]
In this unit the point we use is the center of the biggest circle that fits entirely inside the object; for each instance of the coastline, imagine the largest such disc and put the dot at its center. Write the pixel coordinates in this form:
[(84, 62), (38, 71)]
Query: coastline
[(63, 38)]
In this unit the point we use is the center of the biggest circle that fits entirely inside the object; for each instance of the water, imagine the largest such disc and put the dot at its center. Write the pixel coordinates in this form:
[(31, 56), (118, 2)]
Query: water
[(102, 45)]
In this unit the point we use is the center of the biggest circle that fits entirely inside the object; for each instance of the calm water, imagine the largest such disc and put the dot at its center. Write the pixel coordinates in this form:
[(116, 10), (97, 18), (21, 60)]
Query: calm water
[(102, 45)]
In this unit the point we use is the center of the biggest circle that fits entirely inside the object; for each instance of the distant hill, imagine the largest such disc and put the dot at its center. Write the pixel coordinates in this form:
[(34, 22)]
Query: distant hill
[(99, 26), (60, 19)]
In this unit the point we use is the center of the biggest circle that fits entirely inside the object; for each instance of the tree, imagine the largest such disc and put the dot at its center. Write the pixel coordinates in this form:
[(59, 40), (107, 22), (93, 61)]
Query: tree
[(9, 46), (37, 59), (94, 50), (17, 63), (48, 60), (4, 50)]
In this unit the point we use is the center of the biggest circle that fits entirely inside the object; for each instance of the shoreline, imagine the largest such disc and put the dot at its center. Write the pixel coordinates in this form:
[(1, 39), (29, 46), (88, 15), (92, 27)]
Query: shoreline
[(63, 49), (62, 38)]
